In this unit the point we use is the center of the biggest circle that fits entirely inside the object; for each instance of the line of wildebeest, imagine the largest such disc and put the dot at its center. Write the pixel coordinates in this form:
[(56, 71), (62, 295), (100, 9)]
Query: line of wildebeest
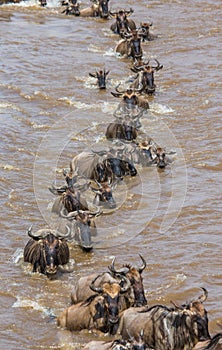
[(114, 302)]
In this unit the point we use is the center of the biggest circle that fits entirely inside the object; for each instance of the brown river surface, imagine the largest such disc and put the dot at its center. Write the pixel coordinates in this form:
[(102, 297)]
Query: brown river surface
[(50, 110)]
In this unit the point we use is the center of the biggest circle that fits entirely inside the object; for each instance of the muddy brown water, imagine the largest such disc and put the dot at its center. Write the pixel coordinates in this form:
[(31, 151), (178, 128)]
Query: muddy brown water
[(50, 110)]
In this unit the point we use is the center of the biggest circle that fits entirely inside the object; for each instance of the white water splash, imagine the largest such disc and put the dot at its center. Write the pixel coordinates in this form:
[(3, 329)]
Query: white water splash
[(160, 109), (17, 256), (31, 304)]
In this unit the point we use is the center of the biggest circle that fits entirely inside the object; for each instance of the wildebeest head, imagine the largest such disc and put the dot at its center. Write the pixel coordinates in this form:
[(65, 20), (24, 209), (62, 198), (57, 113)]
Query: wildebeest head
[(199, 315), (135, 49), (104, 195), (129, 97), (46, 250), (160, 159), (147, 75), (43, 3), (83, 226), (98, 310), (72, 8), (111, 293), (134, 275), (144, 30), (101, 78), (103, 8)]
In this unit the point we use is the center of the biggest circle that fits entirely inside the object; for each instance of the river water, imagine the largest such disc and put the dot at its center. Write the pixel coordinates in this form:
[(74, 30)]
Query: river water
[(50, 110)]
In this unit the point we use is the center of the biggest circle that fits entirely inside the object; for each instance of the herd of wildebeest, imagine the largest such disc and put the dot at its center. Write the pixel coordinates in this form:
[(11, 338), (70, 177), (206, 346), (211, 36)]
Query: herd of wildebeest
[(114, 302)]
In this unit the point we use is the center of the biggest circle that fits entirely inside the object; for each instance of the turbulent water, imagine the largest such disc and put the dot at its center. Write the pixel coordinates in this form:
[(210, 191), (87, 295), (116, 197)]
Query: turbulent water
[(50, 110)]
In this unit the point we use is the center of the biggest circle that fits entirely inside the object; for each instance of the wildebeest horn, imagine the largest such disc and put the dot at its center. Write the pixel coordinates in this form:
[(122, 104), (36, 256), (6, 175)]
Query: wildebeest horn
[(143, 266), (93, 75), (94, 288), (98, 183), (63, 235), (117, 89), (69, 216), (123, 270), (57, 190), (126, 286), (158, 67), (204, 296), (117, 94), (39, 234)]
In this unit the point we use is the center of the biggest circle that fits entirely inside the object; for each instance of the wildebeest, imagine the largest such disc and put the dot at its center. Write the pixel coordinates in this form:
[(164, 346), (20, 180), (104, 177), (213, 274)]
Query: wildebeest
[(145, 78), (123, 24), (90, 314), (168, 328), (134, 275), (43, 3), (144, 32), (130, 46), (101, 78), (99, 8), (106, 168), (121, 131), (104, 195), (135, 295), (130, 99), (82, 227), (74, 317), (146, 153), (72, 8), (46, 250)]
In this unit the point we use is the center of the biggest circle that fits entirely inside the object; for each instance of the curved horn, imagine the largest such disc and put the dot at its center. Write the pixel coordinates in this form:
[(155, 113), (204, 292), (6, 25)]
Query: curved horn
[(69, 216), (204, 296), (117, 89), (63, 235), (123, 270), (116, 94), (39, 234), (158, 67), (143, 266), (94, 288), (30, 234), (93, 75), (98, 183), (127, 285)]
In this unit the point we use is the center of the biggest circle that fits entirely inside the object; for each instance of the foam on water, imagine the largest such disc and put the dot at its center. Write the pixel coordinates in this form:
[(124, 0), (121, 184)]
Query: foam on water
[(160, 109), (31, 304)]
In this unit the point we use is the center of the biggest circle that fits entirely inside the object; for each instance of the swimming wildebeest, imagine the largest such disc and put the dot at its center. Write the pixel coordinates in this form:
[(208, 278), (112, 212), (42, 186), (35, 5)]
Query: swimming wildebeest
[(82, 227), (70, 195), (79, 316), (46, 251), (168, 328), (145, 77), (121, 131), (134, 275), (131, 99), (107, 168), (144, 32), (123, 24), (130, 46), (135, 296), (99, 8), (72, 8), (101, 78)]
